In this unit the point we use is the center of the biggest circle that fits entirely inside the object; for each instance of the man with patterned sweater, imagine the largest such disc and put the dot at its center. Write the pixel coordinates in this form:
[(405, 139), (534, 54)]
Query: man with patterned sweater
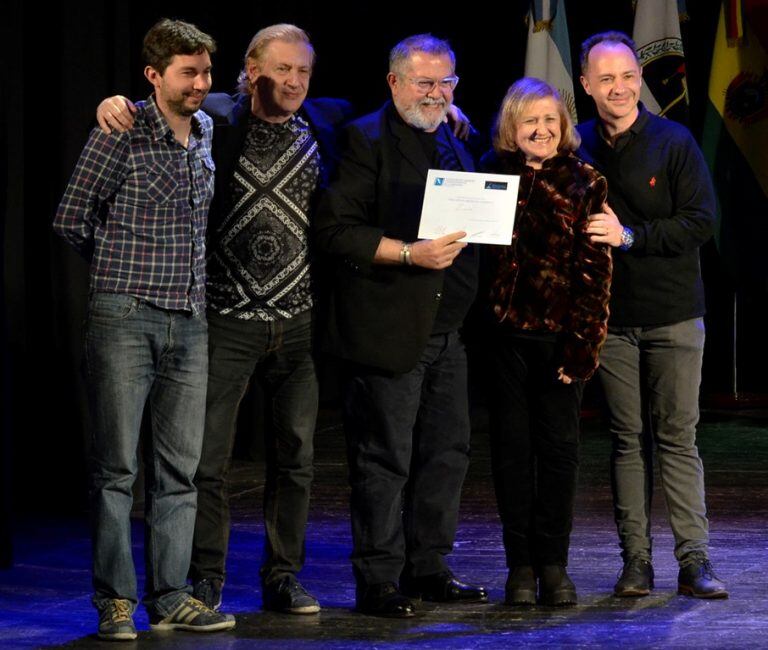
[(273, 148)]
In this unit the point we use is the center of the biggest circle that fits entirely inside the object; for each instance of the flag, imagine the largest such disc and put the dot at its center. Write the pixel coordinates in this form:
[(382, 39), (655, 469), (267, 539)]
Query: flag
[(660, 50), (735, 139), (548, 52)]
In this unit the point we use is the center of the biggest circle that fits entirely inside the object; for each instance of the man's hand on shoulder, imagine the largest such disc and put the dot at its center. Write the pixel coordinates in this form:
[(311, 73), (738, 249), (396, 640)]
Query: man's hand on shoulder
[(459, 121), (115, 113)]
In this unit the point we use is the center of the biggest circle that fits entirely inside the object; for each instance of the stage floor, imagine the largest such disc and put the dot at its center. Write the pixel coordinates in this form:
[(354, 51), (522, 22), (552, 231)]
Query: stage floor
[(45, 601)]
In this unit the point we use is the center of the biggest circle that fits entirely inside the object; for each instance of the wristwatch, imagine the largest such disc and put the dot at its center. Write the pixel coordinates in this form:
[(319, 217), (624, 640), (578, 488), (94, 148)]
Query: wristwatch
[(627, 238)]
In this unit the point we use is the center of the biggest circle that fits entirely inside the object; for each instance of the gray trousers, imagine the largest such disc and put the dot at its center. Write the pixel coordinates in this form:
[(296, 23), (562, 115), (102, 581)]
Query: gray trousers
[(651, 378)]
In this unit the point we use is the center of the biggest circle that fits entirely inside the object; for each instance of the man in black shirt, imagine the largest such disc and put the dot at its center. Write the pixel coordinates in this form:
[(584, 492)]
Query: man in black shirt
[(395, 309), (660, 189)]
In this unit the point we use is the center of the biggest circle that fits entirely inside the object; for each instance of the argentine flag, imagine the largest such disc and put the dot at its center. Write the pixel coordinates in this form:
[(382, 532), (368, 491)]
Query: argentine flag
[(548, 53)]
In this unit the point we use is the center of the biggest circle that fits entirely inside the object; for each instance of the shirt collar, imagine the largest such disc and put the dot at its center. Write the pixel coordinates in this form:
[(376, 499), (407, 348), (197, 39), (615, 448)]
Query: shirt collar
[(637, 126), (293, 121)]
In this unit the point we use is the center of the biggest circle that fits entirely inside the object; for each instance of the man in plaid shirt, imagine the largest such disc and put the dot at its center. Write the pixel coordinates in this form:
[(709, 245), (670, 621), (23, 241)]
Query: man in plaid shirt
[(136, 207)]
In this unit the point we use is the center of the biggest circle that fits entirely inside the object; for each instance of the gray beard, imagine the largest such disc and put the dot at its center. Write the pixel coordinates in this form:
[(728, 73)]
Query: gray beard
[(413, 116)]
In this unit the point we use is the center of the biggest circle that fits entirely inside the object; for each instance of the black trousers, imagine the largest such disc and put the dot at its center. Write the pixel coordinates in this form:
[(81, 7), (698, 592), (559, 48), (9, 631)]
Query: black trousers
[(534, 445), (279, 355), (408, 447)]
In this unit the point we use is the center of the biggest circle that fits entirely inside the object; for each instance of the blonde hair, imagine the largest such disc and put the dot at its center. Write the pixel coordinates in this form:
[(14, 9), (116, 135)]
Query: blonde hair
[(260, 41), (519, 97)]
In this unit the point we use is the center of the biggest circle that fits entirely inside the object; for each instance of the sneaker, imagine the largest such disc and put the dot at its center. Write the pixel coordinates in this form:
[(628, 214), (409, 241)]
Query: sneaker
[(697, 578), (193, 616), (636, 579), (116, 621), (208, 592), (287, 596)]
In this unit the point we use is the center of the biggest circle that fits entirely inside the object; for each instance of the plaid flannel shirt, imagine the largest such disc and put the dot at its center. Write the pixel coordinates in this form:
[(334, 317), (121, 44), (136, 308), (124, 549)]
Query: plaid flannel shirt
[(137, 207)]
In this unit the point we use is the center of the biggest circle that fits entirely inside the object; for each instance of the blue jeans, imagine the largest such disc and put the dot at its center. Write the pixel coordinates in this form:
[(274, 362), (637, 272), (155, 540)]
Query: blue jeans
[(278, 354), (651, 377), (137, 353), (408, 449)]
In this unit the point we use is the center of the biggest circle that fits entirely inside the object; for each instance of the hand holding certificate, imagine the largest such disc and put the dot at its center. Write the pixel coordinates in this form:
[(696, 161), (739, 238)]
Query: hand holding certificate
[(482, 205), (438, 253)]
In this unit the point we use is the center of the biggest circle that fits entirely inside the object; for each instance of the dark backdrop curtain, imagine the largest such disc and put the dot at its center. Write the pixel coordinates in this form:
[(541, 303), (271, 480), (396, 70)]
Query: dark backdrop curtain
[(61, 62)]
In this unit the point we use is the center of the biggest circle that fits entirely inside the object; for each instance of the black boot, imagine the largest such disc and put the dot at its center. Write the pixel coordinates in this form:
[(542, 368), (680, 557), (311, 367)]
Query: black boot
[(521, 586), (555, 587)]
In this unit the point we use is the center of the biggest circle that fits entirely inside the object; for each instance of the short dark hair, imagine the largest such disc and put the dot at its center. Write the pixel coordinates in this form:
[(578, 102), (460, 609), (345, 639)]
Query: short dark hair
[(615, 37), (167, 38)]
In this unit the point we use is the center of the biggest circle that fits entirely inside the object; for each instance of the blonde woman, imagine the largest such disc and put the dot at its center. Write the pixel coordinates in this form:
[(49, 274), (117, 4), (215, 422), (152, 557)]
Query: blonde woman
[(548, 299)]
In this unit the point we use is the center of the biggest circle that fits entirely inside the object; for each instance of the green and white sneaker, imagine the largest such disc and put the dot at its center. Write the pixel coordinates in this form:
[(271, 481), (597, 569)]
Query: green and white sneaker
[(193, 616), (116, 621)]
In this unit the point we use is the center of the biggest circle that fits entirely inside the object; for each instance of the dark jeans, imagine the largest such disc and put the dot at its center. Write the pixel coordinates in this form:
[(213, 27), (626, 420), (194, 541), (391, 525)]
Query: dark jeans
[(408, 447), (137, 353), (278, 354), (534, 450)]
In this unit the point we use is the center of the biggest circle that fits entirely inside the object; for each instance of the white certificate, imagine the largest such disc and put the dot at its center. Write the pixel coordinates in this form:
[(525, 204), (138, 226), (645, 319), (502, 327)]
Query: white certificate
[(482, 205)]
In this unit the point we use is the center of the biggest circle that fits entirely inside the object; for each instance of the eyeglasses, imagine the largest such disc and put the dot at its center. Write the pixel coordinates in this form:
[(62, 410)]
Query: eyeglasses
[(428, 85)]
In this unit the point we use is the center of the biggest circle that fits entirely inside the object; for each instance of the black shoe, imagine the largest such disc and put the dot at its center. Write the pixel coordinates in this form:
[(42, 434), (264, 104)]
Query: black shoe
[(697, 578), (208, 592), (443, 588), (521, 586), (287, 596), (636, 579), (555, 587), (384, 600)]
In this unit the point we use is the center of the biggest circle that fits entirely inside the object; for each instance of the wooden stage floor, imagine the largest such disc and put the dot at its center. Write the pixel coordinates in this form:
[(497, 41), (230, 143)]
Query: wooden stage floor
[(45, 601)]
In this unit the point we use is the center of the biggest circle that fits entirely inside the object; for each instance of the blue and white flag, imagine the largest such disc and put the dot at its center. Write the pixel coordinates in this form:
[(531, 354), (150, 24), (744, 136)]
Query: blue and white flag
[(548, 53)]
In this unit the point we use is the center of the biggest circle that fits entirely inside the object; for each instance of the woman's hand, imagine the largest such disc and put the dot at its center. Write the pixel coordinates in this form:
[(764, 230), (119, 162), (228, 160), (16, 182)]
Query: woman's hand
[(605, 227)]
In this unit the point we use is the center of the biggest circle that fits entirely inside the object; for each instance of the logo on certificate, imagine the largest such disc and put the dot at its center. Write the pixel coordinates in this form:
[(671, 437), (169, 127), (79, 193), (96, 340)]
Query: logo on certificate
[(495, 185), (439, 180)]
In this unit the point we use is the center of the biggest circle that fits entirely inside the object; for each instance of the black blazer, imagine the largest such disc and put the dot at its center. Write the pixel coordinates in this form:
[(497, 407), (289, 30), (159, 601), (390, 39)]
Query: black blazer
[(379, 315), (230, 126)]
